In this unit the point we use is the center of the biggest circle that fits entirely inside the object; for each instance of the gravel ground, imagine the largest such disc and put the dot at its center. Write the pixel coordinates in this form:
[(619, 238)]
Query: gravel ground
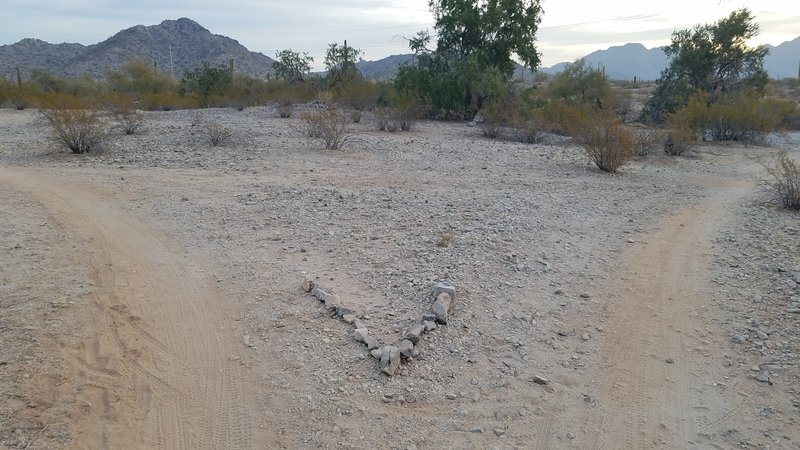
[(533, 237)]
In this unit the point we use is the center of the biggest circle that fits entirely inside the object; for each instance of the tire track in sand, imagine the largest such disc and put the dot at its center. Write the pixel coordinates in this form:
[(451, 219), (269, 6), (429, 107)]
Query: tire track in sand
[(650, 375), (154, 370)]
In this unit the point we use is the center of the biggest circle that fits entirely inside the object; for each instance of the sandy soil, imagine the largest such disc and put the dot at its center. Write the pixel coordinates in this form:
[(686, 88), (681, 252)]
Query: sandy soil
[(150, 295)]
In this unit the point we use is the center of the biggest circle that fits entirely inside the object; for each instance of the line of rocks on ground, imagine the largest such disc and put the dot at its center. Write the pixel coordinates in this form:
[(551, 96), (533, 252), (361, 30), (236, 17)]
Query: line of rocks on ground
[(389, 356)]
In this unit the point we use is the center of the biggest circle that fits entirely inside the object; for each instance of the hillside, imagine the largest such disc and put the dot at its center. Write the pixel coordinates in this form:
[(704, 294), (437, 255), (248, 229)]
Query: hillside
[(190, 43)]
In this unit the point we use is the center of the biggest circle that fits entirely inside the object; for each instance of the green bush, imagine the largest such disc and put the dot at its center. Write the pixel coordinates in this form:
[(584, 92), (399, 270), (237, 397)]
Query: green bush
[(745, 117), (608, 143)]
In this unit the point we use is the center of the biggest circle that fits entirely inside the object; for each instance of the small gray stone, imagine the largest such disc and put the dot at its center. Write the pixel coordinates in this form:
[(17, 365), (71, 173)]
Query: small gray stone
[(429, 325), (451, 396), (414, 332), (444, 286), (349, 318), (341, 311), (499, 432), (585, 295), (540, 380), (371, 342), (739, 339), (320, 294), (332, 302), (376, 353), (361, 335), (390, 359), (475, 429), (406, 348), (360, 324), (429, 317)]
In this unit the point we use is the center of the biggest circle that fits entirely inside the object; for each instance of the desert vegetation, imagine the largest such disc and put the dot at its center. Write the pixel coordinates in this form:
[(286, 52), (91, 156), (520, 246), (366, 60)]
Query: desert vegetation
[(715, 88)]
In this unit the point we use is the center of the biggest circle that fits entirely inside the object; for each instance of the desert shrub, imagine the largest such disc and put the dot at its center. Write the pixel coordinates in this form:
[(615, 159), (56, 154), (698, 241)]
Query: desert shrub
[(493, 117), (645, 140), (357, 95), (608, 144), (568, 119), (745, 117), (74, 123), (217, 134), (195, 118), (168, 101), (787, 180), (329, 125), (401, 115), (123, 112)]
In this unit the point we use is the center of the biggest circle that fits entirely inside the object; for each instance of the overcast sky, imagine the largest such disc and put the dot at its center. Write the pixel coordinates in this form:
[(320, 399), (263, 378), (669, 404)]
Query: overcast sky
[(569, 29)]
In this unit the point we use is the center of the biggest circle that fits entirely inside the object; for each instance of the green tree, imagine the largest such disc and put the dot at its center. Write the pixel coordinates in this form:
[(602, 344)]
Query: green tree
[(139, 77), (579, 84), (711, 58), (291, 66), (476, 41), (208, 80), (340, 62)]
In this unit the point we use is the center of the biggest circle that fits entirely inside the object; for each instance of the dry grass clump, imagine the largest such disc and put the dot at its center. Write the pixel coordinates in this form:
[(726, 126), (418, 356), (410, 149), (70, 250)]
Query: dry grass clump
[(399, 117), (609, 144), (787, 180), (217, 134), (331, 126), (74, 123), (123, 111)]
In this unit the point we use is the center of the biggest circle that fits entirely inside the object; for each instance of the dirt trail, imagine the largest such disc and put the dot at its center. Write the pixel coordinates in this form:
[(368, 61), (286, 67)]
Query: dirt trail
[(155, 369), (655, 391)]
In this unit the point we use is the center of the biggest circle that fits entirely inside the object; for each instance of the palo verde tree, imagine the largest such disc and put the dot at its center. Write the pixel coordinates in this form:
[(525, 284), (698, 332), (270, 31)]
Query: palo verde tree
[(475, 39), (292, 66), (579, 83), (340, 62), (714, 59)]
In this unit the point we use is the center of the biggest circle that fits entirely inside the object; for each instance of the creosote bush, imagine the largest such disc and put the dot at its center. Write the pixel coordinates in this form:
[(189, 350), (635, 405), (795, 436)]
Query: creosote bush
[(609, 144), (331, 126), (217, 134), (494, 116), (76, 124), (787, 180), (398, 117)]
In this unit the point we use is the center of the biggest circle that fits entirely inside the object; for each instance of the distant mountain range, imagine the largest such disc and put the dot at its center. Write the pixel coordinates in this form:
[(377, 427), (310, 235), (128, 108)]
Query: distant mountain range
[(181, 45), (189, 44), (634, 60), (620, 62)]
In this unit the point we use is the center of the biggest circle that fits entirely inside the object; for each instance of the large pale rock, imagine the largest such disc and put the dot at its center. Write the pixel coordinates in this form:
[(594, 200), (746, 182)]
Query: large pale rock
[(308, 284), (441, 307)]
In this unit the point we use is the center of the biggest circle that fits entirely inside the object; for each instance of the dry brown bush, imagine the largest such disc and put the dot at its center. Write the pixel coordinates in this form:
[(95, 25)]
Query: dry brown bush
[(217, 134), (330, 126), (400, 116), (787, 180), (123, 111), (493, 117), (609, 144), (74, 123)]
